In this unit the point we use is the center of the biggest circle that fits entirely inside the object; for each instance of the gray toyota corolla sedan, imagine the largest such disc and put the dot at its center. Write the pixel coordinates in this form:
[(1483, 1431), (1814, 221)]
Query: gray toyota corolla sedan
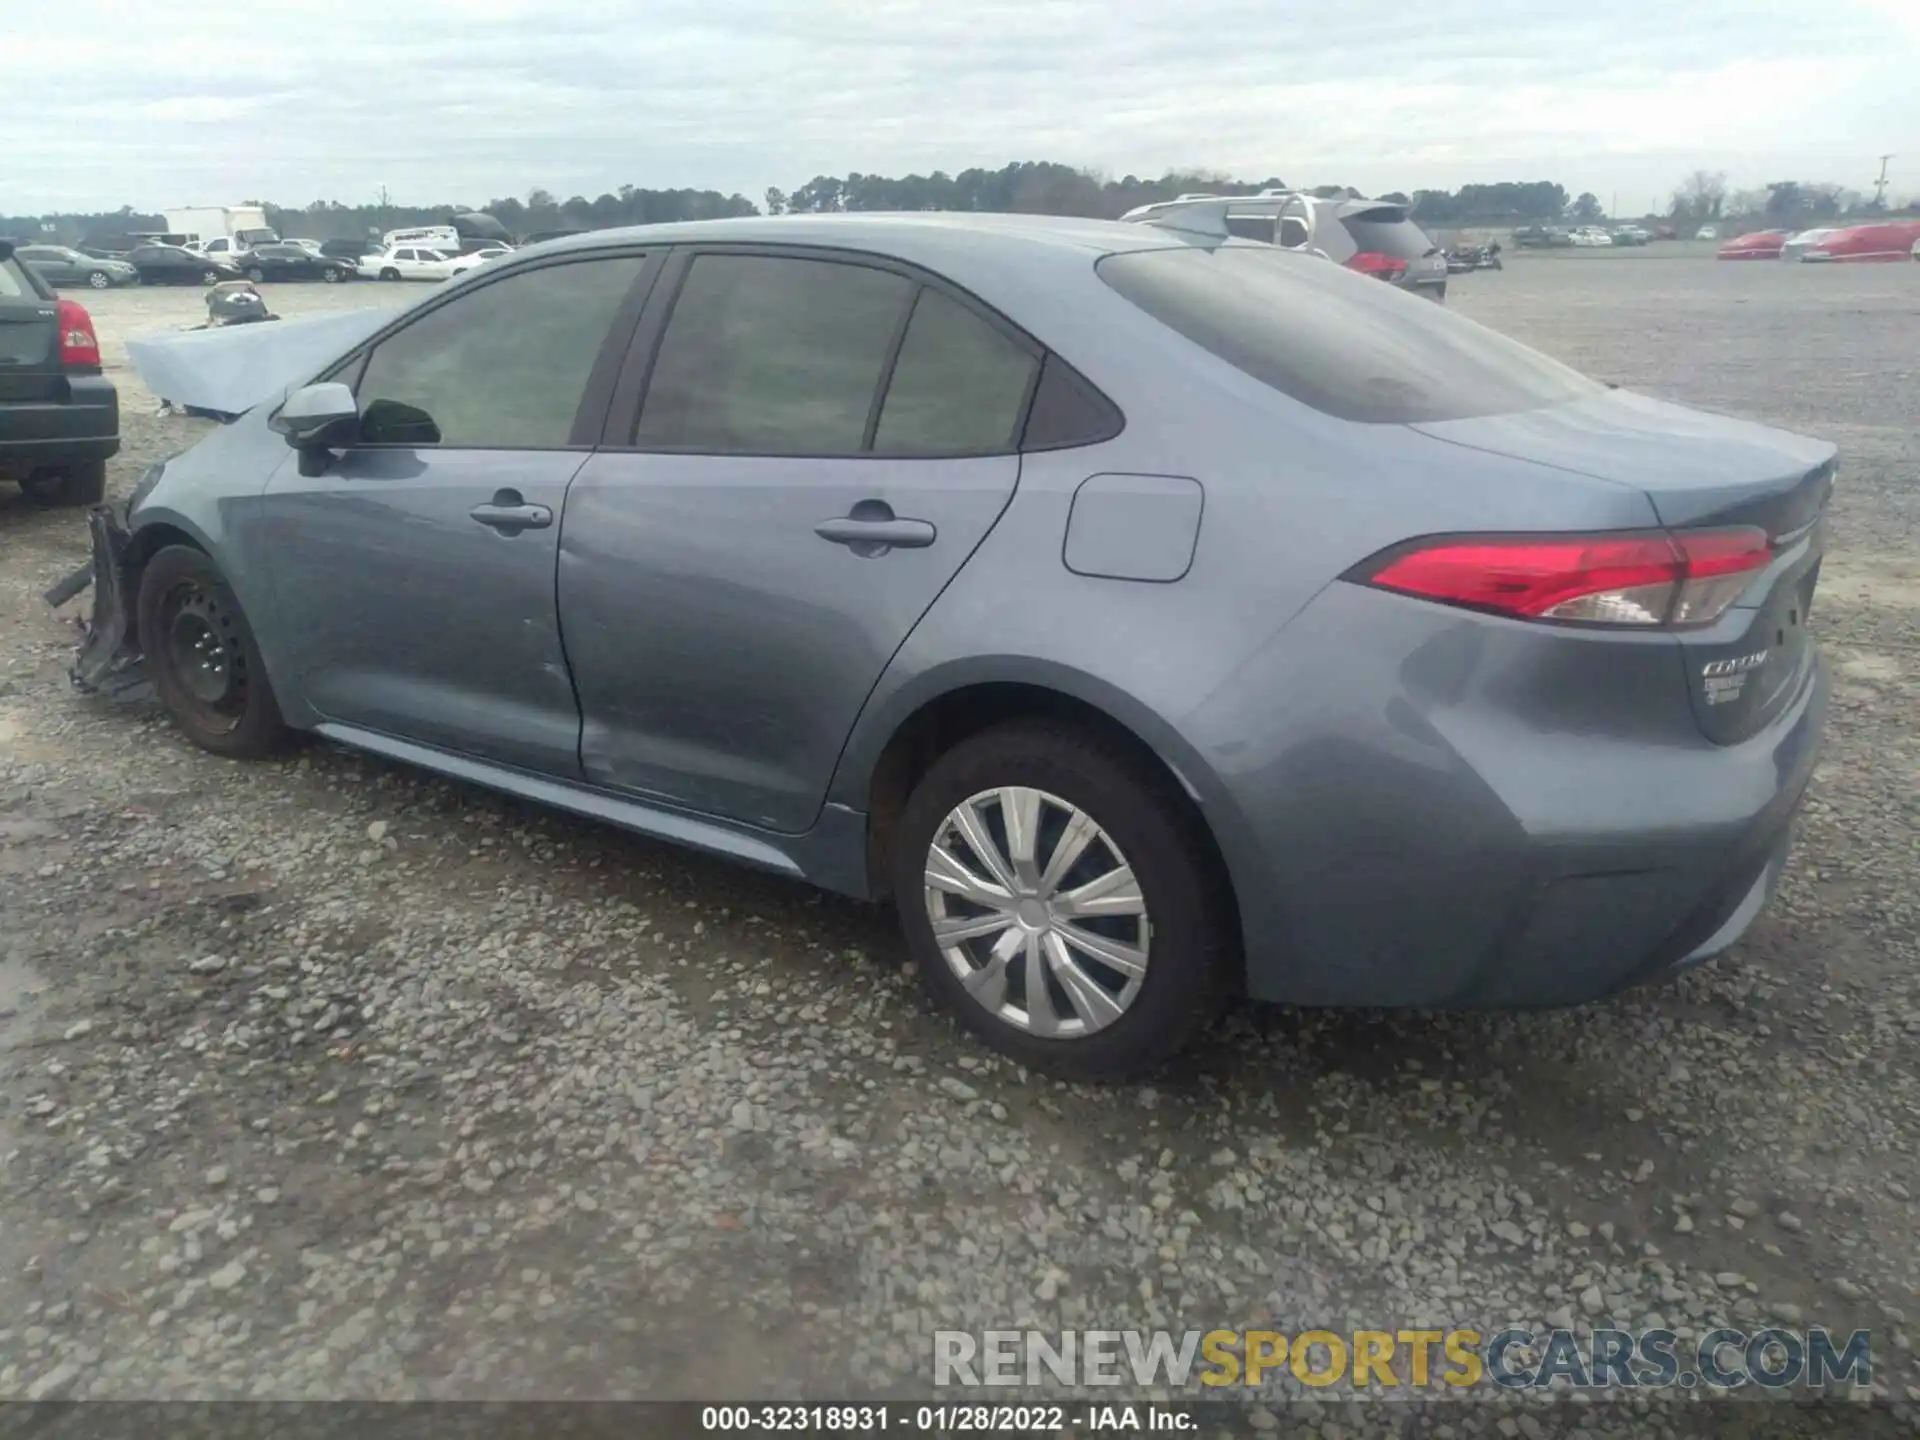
[(1150, 615)]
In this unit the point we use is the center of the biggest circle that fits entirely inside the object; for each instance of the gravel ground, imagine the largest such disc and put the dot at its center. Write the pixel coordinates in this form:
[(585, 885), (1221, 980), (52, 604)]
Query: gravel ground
[(324, 1078)]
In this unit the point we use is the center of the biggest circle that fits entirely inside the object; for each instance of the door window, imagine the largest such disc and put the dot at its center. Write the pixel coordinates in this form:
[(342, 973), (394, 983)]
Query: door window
[(773, 355), (504, 366), (959, 386)]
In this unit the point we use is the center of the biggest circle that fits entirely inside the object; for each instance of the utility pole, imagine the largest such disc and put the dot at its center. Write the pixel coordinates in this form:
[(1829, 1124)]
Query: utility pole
[(1880, 185)]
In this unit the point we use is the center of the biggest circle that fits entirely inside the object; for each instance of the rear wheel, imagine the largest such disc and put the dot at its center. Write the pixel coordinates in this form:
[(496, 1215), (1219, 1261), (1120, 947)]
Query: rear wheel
[(82, 484), (257, 275), (99, 279), (203, 659), (1054, 890)]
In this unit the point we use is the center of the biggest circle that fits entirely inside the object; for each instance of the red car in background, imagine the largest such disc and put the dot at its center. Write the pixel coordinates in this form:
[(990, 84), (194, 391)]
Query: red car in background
[(1867, 244), (1760, 245)]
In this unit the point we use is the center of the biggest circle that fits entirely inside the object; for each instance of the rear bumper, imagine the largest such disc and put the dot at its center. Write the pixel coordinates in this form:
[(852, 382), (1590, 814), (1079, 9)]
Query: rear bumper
[(1431, 825), (85, 427)]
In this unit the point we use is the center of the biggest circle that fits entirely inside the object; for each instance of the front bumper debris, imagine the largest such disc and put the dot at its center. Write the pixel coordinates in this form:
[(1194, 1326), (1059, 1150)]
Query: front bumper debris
[(107, 661)]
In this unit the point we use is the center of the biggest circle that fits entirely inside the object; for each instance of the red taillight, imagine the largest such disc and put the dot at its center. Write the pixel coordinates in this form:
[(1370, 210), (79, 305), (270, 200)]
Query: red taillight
[(1642, 578), (1372, 262), (78, 344)]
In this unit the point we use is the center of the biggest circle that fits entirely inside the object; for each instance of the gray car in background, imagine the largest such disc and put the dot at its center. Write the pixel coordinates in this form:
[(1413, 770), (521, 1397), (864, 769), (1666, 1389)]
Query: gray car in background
[(69, 269), (1150, 615)]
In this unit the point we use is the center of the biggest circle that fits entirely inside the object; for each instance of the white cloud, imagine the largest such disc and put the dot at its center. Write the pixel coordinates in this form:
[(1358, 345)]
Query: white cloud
[(467, 99)]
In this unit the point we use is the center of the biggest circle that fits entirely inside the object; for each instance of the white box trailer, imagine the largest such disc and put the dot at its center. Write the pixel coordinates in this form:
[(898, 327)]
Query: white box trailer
[(221, 230)]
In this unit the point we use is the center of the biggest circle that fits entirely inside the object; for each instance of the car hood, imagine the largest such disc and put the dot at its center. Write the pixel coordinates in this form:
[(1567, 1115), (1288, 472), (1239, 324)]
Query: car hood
[(231, 369), (1695, 467)]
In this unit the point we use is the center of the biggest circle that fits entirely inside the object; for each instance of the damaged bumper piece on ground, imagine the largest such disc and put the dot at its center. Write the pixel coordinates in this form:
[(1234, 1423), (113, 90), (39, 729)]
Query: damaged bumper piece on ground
[(108, 662)]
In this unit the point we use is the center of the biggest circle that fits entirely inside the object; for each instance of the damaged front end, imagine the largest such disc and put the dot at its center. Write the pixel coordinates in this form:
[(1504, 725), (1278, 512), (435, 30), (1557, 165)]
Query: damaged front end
[(108, 661)]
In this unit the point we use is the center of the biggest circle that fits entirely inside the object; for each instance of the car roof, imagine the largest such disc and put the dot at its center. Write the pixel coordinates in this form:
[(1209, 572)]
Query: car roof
[(933, 238)]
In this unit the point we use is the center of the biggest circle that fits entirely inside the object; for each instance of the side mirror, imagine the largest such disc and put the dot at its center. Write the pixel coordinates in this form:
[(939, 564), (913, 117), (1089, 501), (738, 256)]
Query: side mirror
[(319, 417)]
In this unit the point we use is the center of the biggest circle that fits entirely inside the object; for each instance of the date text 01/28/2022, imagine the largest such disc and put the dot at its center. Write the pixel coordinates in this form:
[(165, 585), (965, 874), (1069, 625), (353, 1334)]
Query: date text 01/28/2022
[(962, 1419)]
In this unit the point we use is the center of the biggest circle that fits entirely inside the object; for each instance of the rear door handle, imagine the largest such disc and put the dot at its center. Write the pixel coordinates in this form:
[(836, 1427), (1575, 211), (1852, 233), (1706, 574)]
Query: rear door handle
[(903, 534), (509, 514)]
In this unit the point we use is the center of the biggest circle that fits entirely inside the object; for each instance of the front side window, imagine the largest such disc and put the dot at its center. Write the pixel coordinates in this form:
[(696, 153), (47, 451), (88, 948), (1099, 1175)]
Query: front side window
[(772, 355), (1342, 343), (503, 366)]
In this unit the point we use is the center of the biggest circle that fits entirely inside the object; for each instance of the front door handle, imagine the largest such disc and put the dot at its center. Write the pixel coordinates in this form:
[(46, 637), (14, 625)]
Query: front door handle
[(871, 528), (508, 513)]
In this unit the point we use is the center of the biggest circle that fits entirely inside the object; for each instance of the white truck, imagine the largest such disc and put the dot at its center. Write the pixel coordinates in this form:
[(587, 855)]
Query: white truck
[(221, 232)]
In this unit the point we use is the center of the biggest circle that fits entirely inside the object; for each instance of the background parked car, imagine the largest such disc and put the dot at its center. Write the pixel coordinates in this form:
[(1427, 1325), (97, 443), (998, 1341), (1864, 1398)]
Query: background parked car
[(292, 262), (1631, 235), (1374, 237), (1707, 232), (474, 259), (1866, 244), (1760, 245), (312, 247), (59, 416), (351, 250), (66, 269), (1541, 237), (1591, 237), (406, 262), (1797, 245), (172, 265)]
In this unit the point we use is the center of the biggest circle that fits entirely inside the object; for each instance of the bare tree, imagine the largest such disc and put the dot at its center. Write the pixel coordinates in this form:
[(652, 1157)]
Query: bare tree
[(1702, 196)]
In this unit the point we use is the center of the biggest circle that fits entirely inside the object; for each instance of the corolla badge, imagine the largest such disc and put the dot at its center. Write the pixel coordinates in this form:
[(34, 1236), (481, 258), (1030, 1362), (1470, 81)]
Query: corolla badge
[(1725, 679)]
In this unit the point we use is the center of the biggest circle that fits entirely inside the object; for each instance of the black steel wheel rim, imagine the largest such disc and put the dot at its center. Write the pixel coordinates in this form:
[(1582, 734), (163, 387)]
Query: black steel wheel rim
[(202, 651)]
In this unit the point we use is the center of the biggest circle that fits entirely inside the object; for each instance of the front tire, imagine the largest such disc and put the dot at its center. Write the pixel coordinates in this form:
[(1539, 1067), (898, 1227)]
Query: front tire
[(1056, 892), (389, 274), (67, 486), (203, 659), (99, 279), (331, 276), (209, 277), (257, 275)]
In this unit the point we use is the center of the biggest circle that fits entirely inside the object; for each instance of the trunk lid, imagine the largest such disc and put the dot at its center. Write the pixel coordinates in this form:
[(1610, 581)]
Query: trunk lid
[(29, 336), (1701, 471)]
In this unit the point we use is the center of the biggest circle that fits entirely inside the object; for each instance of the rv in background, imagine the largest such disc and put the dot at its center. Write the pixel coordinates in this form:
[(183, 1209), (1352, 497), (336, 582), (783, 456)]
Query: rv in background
[(221, 232)]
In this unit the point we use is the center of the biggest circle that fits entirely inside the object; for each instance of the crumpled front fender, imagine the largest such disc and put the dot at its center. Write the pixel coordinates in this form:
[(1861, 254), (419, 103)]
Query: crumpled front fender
[(108, 660)]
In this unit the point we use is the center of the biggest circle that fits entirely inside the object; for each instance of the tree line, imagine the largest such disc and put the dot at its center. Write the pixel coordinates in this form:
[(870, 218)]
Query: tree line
[(1029, 187)]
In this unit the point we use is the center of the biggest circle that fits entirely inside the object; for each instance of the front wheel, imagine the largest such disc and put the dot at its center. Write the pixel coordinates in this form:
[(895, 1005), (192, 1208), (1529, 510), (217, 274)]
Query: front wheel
[(389, 274), (203, 659), (99, 279), (1054, 889), (331, 276), (209, 276)]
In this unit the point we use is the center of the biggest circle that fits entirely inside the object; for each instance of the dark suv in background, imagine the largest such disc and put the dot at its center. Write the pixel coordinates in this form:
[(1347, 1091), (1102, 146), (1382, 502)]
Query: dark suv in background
[(1374, 237), (59, 416)]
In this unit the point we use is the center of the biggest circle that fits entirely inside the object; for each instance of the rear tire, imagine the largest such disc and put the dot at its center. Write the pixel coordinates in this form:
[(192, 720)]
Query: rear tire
[(1163, 912), (257, 275), (70, 485), (203, 659)]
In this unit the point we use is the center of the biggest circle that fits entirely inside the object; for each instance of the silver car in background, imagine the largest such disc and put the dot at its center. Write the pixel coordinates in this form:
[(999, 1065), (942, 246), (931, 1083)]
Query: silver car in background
[(1372, 237), (1151, 614)]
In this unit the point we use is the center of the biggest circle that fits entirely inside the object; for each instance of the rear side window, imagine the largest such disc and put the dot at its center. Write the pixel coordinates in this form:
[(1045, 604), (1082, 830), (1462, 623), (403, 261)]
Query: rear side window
[(15, 282), (503, 366), (1388, 233), (773, 355), (1342, 343), (959, 386)]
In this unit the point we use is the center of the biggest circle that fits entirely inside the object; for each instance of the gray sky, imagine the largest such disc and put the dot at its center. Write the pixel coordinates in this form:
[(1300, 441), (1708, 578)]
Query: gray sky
[(464, 100)]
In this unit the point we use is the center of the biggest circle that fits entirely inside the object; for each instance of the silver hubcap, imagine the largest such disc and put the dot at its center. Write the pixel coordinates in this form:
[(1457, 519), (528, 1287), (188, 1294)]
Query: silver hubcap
[(1038, 912)]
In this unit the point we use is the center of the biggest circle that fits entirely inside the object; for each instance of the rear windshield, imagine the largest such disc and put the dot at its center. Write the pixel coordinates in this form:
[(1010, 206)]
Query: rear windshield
[(1388, 233), (1346, 344)]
